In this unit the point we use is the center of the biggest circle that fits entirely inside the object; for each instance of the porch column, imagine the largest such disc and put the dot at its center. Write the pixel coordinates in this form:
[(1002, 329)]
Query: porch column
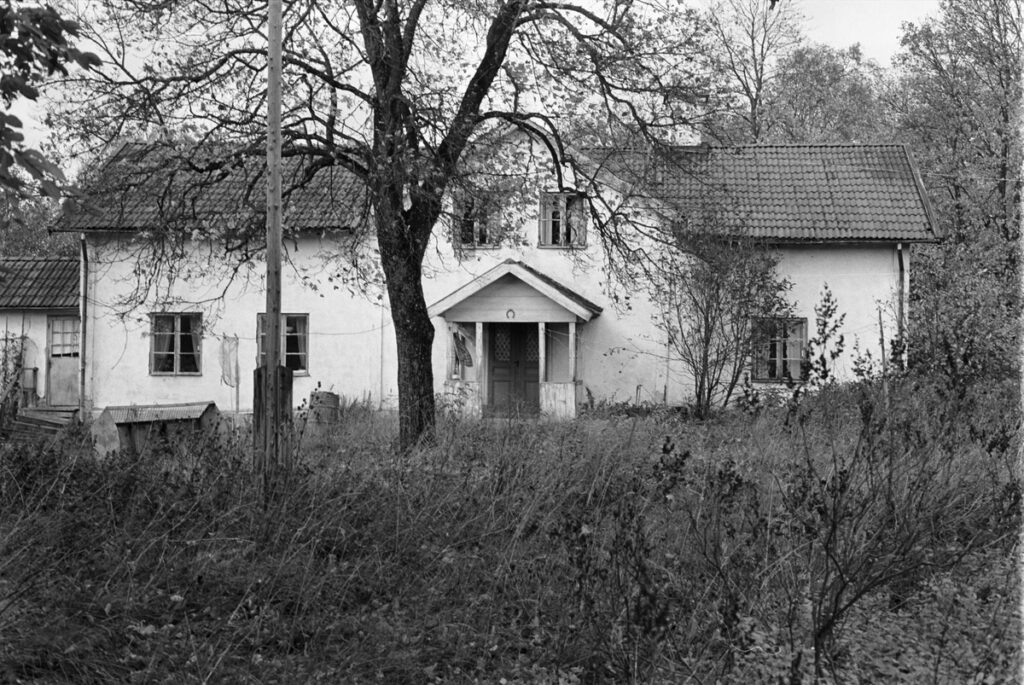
[(572, 351), (542, 352), (452, 359), (480, 355)]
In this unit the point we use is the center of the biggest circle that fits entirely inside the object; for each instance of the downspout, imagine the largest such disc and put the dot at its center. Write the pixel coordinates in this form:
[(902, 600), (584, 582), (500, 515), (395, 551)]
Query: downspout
[(83, 286), (901, 296)]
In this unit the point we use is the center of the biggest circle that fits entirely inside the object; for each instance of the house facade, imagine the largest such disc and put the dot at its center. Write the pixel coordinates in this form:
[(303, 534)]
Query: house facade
[(39, 330), (538, 324)]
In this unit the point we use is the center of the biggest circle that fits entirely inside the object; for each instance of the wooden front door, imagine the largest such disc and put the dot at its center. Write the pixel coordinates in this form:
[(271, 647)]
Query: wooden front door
[(62, 370), (514, 358)]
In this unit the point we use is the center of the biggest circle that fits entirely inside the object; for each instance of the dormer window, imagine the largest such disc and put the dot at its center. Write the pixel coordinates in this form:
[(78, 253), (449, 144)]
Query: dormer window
[(562, 221)]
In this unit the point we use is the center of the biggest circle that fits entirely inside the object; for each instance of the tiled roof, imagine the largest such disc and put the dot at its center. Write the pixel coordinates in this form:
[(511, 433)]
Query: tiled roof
[(147, 187), (796, 192), (38, 283)]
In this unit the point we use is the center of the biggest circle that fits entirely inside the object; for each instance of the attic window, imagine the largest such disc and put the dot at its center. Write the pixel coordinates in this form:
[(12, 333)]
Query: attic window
[(562, 222), (473, 219)]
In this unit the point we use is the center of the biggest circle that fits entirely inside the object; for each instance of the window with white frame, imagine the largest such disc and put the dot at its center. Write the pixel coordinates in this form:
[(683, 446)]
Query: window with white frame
[(780, 346), (176, 342), (562, 221), (64, 336), (294, 341)]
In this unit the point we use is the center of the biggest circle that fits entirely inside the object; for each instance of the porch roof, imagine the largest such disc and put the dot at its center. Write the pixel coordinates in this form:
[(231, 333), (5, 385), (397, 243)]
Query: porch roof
[(557, 292)]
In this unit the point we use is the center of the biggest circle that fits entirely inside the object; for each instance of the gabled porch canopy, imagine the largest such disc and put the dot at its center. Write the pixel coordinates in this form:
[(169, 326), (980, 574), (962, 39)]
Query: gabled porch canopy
[(557, 293), (521, 326)]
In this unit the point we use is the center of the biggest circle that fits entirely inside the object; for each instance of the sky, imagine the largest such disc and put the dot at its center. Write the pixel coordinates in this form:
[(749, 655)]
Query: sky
[(875, 24)]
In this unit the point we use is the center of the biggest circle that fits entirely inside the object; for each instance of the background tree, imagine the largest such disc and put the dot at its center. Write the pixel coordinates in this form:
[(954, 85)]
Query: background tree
[(751, 37), (395, 92), (824, 95), (23, 228), (37, 43), (956, 100)]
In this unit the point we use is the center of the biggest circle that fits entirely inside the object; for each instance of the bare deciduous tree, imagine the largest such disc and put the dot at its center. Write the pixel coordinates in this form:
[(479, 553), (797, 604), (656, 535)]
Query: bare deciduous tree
[(751, 36)]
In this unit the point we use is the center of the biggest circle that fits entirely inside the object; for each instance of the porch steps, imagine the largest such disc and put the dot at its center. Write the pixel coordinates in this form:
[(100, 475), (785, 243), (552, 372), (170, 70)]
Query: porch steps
[(40, 422)]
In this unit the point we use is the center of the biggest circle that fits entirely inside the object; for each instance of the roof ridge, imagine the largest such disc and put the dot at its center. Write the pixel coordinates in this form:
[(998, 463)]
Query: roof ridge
[(698, 148), (38, 259)]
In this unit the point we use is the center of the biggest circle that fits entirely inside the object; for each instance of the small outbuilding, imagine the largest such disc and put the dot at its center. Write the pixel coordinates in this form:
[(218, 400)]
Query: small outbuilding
[(133, 427)]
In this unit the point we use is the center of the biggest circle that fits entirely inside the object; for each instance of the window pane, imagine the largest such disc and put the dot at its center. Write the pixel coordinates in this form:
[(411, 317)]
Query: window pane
[(556, 227), (189, 362), (295, 342), (163, 362), (163, 324)]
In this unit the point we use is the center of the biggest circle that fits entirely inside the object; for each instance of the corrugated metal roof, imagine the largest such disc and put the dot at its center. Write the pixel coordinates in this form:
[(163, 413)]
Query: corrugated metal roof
[(789, 192), (38, 283), (150, 413), (151, 187)]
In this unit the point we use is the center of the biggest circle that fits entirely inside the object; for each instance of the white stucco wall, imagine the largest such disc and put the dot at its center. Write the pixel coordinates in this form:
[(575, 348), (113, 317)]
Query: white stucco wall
[(863, 279), (30, 324), (351, 341), (622, 357)]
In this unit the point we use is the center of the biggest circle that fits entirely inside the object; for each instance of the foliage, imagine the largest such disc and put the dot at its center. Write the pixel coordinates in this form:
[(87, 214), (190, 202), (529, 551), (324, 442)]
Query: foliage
[(24, 224), (12, 351), (710, 291), (36, 43), (957, 102), (824, 95), (734, 551)]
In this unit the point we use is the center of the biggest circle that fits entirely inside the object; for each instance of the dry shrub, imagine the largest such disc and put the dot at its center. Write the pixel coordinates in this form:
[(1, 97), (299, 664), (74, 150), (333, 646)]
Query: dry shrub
[(736, 550)]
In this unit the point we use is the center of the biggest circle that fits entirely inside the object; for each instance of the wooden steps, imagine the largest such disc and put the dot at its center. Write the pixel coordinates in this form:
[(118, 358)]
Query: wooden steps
[(39, 423)]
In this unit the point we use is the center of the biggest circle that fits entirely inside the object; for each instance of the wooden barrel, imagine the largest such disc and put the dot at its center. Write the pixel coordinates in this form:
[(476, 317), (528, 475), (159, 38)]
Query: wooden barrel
[(324, 407)]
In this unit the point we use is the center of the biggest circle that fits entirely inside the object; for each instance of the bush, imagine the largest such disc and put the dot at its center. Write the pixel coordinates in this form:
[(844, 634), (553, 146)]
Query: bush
[(783, 547)]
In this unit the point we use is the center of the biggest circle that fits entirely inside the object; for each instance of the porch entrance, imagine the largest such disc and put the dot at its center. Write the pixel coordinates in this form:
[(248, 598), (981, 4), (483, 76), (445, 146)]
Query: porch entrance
[(62, 361), (512, 343), (514, 371)]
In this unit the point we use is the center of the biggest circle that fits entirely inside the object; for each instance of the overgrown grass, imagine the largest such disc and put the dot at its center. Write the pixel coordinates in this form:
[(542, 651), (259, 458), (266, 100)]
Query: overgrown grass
[(851, 539)]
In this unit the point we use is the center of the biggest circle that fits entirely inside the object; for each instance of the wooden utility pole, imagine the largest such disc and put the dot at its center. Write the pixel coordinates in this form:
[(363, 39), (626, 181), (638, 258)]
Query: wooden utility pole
[(270, 455)]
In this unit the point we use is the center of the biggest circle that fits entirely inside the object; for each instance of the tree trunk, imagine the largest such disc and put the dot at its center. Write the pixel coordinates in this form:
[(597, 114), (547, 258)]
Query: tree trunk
[(402, 259)]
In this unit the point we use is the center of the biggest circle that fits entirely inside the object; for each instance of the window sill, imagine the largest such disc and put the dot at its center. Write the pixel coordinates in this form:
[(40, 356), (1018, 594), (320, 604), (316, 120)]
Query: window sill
[(776, 381), (174, 375), (562, 247)]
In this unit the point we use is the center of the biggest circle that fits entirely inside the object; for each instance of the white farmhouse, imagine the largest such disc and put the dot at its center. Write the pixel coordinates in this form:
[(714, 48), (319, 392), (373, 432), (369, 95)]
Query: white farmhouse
[(535, 323)]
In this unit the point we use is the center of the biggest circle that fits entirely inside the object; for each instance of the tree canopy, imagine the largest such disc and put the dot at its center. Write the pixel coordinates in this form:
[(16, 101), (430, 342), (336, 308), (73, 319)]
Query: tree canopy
[(956, 99), (37, 44)]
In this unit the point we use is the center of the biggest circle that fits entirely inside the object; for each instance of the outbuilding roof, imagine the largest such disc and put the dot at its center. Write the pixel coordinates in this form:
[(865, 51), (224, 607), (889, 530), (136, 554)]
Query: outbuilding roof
[(790, 192), (151, 187), (153, 413), (38, 283)]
